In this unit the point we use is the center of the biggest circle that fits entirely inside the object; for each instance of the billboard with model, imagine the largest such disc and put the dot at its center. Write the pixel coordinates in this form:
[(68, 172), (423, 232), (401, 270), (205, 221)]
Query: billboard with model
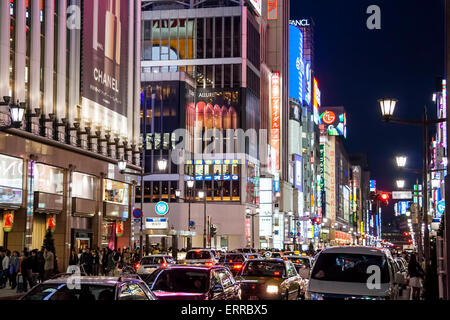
[(104, 69)]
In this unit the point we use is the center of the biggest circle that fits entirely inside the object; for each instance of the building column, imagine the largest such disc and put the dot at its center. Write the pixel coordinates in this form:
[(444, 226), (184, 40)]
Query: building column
[(4, 48)]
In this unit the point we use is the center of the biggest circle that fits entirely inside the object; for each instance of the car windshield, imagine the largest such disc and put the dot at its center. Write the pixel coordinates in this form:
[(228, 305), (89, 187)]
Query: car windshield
[(152, 260), (276, 255), (264, 269), (302, 261), (68, 291), (346, 267), (231, 258), (198, 255), (190, 281)]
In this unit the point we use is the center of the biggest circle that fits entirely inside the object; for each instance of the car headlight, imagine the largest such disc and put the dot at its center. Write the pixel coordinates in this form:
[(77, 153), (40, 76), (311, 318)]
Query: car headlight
[(272, 289)]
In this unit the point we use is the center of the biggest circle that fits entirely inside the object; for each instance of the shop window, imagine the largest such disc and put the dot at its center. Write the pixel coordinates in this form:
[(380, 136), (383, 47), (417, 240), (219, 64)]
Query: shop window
[(218, 37), (173, 187), (115, 192), (83, 186), (227, 190), (235, 169), (166, 141), (227, 38), (217, 169), (236, 193), (200, 38), (156, 192), (149, 142), (165, 191), (48, 179), (209, 37), (157, 141), (199, 170), (209, 192), (218, 186), (236, 37)]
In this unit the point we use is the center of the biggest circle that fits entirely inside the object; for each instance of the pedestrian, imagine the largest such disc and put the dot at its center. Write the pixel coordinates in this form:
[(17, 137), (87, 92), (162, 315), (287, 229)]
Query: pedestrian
[(2, 272), (416, 275), (95, 262), (5, 267), (14, 266), (26, 268), (40, 263), (86, 261), (49, 263), (104, 261), (73, 259)]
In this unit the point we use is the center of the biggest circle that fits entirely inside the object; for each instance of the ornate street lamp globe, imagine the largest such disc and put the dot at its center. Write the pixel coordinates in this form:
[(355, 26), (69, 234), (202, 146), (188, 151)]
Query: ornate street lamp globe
[(17, 112), (162, 164), (178, 193), (190, 184), (400, 184), (401, 161), (387, 107), (122, 164)]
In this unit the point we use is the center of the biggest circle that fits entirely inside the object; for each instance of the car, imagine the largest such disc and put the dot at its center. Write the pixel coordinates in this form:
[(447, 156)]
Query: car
[(270, 279), (252, 256), (351, 272), (201, 256), (188, 282), (244, 250), (90, 289), (277, 255), (234, 261), (148, 264), (300, 263)]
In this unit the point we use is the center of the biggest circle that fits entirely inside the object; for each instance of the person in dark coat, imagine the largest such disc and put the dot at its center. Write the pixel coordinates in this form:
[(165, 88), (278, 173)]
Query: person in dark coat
[(105, 254), (416, 274), (28, 266), (73, 259), (87, 261)]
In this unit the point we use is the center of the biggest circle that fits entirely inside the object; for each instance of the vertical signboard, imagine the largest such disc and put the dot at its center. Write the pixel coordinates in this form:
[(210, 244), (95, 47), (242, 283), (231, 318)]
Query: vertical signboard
[(373, 186), (276, 116), (331, 195), (272, 11), (296, 64), (104, 60), (316, 101), (298, 182)]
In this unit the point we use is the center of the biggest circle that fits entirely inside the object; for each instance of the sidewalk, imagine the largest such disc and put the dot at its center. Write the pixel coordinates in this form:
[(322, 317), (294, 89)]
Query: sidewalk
[(9, 294)]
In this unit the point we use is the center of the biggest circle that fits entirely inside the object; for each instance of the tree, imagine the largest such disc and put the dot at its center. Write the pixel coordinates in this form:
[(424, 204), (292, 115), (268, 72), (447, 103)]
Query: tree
[(49, 244)]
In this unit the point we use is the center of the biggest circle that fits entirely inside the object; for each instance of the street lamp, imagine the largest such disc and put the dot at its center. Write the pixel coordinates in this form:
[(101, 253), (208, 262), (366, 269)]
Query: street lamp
[(387, 107), (202, 195), (401, 161), (190, 185), (387, 110), (162, 164), (400, 184), (16, 113), (122, 164)]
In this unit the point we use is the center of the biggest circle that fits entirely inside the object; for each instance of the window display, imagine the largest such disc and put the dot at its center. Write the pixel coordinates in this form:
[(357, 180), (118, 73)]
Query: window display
[(115, 192), (48, 179)]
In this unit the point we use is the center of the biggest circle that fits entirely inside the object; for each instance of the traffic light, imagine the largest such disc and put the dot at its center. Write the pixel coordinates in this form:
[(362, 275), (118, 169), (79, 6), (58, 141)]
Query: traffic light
[(213, 230), (384, 196)]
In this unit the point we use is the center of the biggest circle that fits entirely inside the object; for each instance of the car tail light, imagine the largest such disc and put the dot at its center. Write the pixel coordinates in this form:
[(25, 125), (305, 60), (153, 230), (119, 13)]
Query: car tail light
[(136, 266), (276, 273), (237, 266), (209, 264), (164, 265)]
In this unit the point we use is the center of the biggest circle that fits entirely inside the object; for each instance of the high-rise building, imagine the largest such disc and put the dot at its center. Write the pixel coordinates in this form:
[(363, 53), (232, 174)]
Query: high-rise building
[(74, 68), (201, 72)]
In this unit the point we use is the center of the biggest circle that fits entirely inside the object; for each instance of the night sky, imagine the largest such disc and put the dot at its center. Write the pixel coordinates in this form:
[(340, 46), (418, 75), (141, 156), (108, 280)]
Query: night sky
[(356, 66)]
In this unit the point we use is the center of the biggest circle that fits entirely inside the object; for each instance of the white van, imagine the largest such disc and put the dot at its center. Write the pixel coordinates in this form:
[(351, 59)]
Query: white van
[(354, 273)]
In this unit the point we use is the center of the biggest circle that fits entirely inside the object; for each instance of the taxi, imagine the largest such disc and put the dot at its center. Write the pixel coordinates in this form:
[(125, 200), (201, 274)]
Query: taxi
[(270, 279)]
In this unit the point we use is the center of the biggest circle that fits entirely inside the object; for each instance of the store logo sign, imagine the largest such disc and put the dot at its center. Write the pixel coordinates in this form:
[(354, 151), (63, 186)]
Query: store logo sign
[(161, 208)]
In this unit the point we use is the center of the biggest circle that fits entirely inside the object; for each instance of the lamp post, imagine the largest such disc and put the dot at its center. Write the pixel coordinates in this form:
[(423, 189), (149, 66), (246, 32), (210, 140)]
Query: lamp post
[(202, 195), (122, 164), (16, 113), (387, 107), (251, 214), (190, 185)]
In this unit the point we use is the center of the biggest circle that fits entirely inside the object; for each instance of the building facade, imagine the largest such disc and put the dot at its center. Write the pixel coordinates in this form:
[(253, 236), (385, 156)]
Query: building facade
[(76, 77)]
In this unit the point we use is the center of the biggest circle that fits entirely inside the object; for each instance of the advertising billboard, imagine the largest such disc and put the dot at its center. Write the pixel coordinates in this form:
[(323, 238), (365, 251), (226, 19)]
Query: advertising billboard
[(330, 180), (298, 183), (105, 54), (272, 11), (275, 89), (296, 64), (295, 111), (334, 120), (316, 101), (373, 187)]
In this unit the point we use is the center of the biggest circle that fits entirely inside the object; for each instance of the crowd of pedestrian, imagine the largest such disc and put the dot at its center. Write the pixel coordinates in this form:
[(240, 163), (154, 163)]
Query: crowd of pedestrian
[(105, 262), (25, 269)]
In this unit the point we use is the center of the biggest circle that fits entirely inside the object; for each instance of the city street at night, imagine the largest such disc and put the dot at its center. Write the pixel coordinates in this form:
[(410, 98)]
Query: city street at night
[(243, 151)]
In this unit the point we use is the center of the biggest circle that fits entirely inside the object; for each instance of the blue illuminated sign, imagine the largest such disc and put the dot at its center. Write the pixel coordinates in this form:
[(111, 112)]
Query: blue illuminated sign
[(199, 178), (296, 64), (441, 207), (208, 178), (161, 208), (226, 177), (217, 178), (235, 177)]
